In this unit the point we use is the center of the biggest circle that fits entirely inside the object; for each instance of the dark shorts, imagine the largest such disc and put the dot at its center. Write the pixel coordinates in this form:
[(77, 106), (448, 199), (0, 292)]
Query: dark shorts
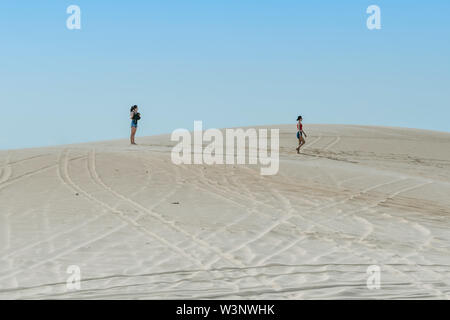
[(133, 123), (299, 134)]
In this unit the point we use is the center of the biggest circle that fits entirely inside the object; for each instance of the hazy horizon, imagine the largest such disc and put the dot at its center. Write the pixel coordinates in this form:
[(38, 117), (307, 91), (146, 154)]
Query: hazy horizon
[(191, 129)]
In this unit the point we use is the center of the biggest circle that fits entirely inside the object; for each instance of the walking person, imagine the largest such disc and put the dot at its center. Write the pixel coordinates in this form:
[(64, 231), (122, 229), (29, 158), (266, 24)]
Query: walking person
[(135, 116), (300, 133)]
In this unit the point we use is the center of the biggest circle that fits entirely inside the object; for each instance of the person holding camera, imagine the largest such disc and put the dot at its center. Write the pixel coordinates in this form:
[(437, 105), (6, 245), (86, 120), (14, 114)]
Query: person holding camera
[(135, 116)]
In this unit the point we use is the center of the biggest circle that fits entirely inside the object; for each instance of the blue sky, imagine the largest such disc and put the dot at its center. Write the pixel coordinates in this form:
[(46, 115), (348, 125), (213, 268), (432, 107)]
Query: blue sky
[(228, 63)]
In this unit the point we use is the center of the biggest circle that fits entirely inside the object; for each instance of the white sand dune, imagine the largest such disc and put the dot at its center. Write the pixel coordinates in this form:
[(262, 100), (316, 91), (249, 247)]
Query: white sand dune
[(139, 226)]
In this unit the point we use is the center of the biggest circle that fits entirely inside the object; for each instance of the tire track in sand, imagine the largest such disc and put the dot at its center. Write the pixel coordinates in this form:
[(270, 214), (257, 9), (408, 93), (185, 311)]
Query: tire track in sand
[(332, 143), (129, 221), (34, 265), (55, 235), (31, 174), (362, 239), (402, 220), (285, 219), (8, 166), (418, 281), (6, 169), (66, 180), (159, 217), (308, 145), (220, 254)]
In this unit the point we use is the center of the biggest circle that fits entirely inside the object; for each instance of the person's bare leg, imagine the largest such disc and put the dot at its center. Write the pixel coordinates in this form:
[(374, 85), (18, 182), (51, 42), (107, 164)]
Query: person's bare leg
[(133, 133), (301, 143)]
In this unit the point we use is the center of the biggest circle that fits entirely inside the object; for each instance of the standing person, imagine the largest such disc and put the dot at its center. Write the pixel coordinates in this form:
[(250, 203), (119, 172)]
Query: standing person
[(134, 116), (300, 133)]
